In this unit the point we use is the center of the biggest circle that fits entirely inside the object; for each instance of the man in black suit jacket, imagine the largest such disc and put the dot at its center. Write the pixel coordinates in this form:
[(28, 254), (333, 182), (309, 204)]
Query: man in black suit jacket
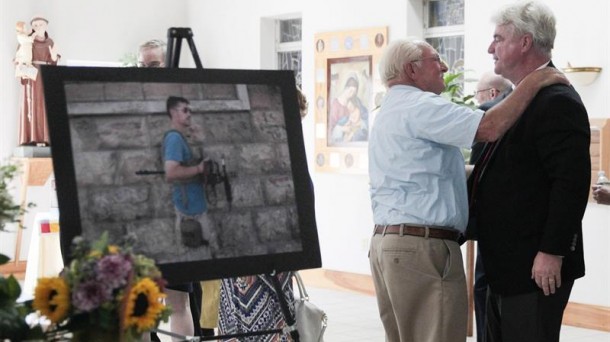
[(530, 189)]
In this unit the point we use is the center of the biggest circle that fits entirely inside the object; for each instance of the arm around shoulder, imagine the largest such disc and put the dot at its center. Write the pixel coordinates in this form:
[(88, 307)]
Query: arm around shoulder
[(501, 117)]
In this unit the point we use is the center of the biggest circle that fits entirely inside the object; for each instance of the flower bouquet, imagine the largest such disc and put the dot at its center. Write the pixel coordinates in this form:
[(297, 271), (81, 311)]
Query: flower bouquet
[(107, 293)]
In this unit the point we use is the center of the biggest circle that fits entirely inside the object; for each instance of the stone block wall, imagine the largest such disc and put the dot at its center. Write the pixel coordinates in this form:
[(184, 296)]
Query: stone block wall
[(116, 129)]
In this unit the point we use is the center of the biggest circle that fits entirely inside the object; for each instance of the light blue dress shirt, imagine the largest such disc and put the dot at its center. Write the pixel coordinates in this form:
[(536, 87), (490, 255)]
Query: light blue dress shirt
[(416, 168)]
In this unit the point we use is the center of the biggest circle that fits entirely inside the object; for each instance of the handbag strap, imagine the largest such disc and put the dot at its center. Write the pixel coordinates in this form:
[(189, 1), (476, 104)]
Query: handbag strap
[(302, 292)]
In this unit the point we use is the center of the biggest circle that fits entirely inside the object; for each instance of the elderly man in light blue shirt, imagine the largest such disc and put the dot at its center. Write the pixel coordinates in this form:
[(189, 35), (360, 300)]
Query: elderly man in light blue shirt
[(418, 191)]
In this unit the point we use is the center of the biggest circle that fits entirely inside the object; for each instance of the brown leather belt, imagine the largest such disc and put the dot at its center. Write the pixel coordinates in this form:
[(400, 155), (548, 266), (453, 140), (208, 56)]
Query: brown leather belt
[(423, 231)]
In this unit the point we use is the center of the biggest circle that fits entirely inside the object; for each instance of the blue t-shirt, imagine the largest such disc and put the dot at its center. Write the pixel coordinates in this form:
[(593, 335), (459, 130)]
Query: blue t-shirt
[(188, 197)]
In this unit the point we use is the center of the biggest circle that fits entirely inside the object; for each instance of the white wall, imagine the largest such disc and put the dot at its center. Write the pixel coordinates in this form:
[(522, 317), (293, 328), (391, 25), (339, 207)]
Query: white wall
[(227, 35), (343, 209), (82, 30)]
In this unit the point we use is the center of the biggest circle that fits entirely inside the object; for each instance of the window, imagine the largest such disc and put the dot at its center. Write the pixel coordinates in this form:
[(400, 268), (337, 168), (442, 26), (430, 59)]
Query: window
[(288, 46), (444, 30)]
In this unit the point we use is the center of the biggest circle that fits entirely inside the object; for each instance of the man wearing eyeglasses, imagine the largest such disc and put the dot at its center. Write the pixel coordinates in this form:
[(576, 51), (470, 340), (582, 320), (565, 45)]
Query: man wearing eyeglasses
[(418, 191), (151, 54), (183, 169), (185, 172), (489, 87), (490, 90)]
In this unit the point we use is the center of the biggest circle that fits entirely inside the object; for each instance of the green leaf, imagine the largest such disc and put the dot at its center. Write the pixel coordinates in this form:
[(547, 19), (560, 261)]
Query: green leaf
[(12, 326), (101, 243), (14, 290), (9, 290), (449, 77)]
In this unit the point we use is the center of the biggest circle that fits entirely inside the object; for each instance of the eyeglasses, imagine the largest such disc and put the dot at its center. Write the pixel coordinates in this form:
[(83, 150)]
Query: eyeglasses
[(184, 110), (482, 90), (436, 58), (154, 64)]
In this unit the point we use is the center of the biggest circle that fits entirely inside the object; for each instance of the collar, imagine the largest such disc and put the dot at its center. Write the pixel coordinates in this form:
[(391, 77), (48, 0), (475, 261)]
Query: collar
[(544, 65)]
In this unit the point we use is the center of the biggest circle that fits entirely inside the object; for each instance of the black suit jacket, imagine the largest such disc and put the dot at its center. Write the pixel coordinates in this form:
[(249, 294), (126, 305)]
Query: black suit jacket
[(533, 193), (477, 147)]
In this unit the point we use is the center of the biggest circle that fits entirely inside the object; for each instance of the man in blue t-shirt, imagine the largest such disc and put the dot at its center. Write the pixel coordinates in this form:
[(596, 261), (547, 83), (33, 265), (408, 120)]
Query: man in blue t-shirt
[(183, 170)]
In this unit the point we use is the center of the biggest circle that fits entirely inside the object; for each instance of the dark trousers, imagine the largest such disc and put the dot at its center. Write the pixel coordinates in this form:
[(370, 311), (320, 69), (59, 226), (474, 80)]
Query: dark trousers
[(480, 297), (195, 304), (529, 317)]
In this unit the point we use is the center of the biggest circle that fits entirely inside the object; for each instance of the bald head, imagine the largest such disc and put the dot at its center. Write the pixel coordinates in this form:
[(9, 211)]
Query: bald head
[(490, 86)]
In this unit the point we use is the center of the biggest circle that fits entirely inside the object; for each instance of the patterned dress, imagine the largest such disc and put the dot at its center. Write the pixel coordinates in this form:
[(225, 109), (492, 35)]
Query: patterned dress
[(250, 304)]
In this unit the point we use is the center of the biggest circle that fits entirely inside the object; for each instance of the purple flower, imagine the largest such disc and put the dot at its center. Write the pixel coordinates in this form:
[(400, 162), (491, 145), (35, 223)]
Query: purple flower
[(113, 270), (90, 295)]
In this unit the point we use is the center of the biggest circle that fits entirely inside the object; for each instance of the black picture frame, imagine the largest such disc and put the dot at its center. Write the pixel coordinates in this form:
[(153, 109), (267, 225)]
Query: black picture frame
[(104, 124)]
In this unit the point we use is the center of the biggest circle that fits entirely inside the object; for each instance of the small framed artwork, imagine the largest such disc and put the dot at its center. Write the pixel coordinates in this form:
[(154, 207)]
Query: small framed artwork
[(254, 204), (348, 93)]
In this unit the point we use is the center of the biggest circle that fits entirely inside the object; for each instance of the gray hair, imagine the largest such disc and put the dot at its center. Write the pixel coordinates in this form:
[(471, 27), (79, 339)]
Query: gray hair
[(531, 17), (396, 55), (491, 80), (152, 44)]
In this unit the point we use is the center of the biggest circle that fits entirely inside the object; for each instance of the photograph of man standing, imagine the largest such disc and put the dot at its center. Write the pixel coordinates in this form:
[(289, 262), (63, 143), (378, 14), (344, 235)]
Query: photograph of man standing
[(530, 189)]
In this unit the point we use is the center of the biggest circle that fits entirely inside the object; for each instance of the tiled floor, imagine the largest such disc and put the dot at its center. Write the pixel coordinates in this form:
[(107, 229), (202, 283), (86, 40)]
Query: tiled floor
[(354, 317)]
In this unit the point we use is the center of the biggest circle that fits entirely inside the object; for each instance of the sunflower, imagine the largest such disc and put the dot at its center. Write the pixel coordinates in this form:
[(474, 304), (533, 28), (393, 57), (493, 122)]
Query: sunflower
[(52, 298), (143, 306)]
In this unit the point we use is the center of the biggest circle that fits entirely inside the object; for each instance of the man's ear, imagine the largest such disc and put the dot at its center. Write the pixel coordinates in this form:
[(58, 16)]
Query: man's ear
[(493, 92), (409, 70), (527, 42)]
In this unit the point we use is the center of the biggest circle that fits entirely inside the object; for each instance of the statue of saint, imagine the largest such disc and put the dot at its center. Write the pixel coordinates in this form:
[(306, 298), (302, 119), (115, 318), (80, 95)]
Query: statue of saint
[(33, 128)]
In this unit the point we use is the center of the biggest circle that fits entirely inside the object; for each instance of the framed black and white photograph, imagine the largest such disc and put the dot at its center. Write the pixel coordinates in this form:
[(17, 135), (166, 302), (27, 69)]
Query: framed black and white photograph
[(107, 129)]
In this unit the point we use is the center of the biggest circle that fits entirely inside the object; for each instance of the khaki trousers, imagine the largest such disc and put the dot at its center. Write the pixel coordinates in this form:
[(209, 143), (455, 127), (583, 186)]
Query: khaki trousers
[(421, 288)]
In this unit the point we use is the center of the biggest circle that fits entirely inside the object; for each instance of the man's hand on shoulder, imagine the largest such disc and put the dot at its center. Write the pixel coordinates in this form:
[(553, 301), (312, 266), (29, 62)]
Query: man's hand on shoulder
[(547, 76)]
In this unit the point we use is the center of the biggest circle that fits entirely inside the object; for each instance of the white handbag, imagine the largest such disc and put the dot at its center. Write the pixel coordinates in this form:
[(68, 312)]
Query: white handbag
[(311, 320)]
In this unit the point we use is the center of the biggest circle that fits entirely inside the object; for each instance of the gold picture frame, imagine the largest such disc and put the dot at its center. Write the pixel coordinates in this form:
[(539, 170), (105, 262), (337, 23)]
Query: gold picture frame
[(348, 91)]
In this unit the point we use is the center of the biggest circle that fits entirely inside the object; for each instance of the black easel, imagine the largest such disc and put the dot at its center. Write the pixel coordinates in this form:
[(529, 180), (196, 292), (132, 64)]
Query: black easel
[(172, 60), (172, 57)]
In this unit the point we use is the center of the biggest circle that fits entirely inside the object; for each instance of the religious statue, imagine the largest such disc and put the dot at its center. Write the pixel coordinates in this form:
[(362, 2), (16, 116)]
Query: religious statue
[(33, 128), (23, 57)]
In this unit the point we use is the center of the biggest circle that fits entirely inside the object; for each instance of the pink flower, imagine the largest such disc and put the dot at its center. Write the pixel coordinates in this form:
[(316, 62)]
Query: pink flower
[(90, 295), (114, 270)]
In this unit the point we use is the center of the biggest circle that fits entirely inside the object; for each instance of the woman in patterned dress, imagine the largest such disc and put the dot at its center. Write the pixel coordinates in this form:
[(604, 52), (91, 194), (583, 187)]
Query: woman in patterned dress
[(250, 304)]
